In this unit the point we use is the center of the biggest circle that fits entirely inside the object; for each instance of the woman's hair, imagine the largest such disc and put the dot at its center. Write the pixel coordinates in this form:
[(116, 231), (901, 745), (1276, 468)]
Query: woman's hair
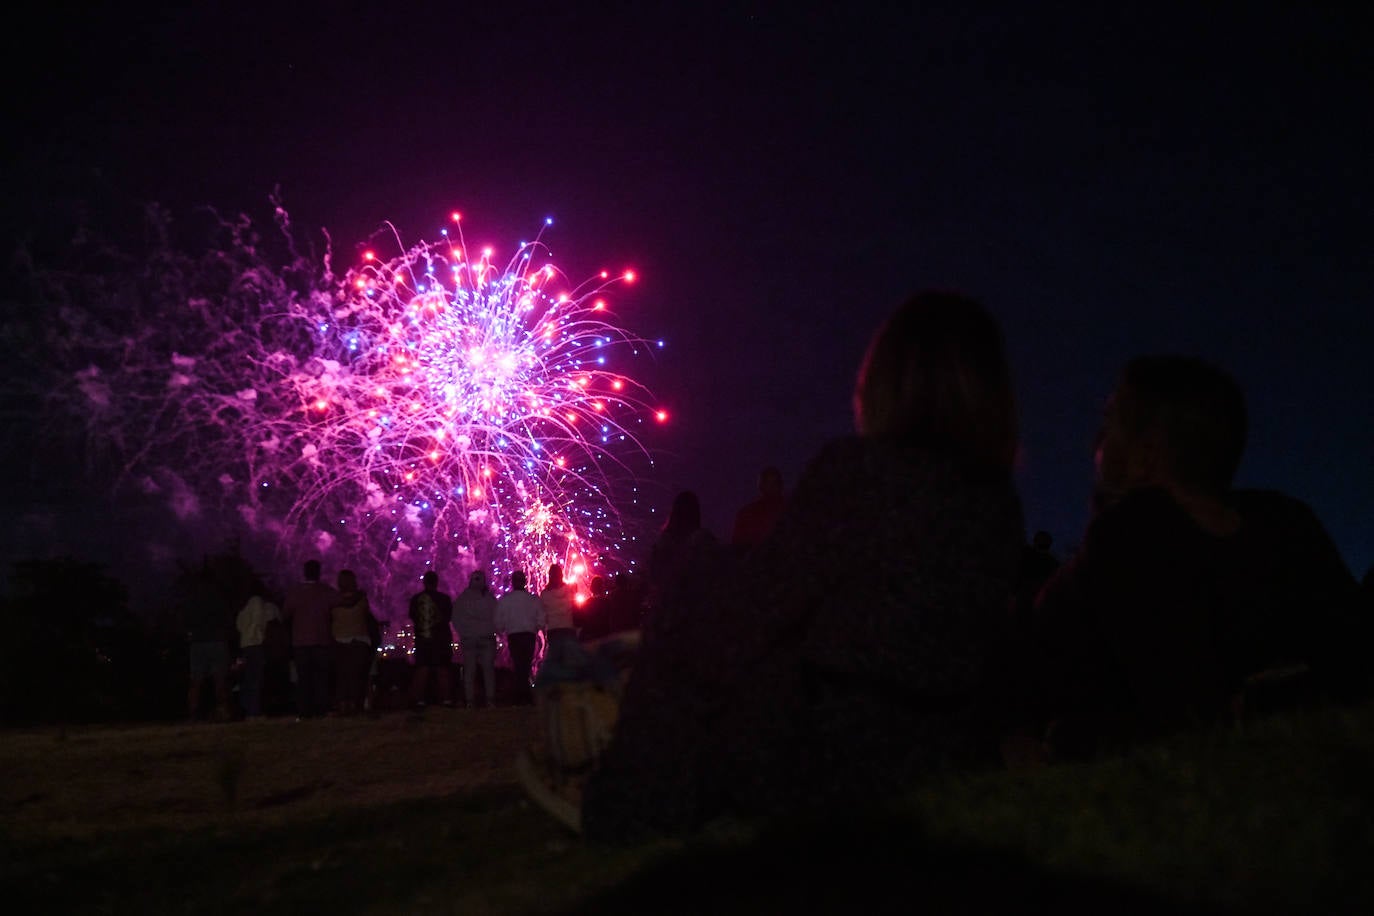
[(936, 374), (348, 581), (685, 516)]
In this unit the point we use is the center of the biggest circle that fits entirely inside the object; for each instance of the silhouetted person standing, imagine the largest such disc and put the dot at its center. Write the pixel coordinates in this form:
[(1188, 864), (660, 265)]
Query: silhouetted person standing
[(431, 613), (683, 555), (474, 617), (352, 626), (252, 622), (559, 599), (307, 610), (208, 617), (520, 616)]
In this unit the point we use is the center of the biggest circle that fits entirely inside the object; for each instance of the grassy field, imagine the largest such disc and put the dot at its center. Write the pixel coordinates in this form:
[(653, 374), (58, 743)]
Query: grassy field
[(407, 813)]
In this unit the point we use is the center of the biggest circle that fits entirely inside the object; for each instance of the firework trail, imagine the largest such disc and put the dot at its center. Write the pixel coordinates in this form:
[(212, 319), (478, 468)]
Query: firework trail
[(430, 409)]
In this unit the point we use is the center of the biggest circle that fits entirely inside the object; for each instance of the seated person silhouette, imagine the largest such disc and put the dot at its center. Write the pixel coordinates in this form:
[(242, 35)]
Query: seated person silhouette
[(1184, 590), (847, 654)]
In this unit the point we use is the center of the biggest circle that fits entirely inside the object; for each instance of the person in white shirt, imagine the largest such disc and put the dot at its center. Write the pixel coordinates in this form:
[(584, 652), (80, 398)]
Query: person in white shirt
[(474, 617), (520, 616), (252, 626)]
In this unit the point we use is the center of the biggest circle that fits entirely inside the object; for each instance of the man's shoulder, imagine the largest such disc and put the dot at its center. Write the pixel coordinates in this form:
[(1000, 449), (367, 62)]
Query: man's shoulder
[(1269, 506), (1286, 525)]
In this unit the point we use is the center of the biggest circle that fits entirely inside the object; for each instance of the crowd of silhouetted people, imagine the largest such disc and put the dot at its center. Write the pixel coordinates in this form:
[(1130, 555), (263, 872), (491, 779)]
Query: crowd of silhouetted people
[(318, 649)]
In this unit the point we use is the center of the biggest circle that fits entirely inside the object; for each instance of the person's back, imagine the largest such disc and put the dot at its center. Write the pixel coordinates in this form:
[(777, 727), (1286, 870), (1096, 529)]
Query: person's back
[(887, 667), (1124, 644), (681, 555), (1287, 598), (520, 616), (559, 600), (518, 611), (431, 612), (474, 613), (350, 618), (253, 619), (354, 647), (209, 619), (850, 650), (474, 617), (307, 609)]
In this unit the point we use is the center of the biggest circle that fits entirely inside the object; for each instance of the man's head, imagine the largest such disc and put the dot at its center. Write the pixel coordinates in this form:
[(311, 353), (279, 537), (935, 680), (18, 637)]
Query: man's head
[(478, 580), (518, 580), (312, 570), (430, 580), (1173, 421), (555, 575)]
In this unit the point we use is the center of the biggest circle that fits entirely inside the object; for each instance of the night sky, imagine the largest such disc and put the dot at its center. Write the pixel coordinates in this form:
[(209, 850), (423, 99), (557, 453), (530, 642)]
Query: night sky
[(1109, 179)]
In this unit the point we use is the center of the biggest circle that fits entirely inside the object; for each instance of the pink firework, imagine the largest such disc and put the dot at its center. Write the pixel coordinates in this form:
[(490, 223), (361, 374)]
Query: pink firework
[(428, 410)]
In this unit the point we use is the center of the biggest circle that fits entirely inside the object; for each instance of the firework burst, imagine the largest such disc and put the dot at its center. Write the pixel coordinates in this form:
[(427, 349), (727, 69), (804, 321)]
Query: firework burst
[(430, 409)]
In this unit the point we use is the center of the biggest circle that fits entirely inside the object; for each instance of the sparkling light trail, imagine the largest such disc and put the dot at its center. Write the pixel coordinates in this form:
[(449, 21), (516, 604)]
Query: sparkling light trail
[(430, 409)]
